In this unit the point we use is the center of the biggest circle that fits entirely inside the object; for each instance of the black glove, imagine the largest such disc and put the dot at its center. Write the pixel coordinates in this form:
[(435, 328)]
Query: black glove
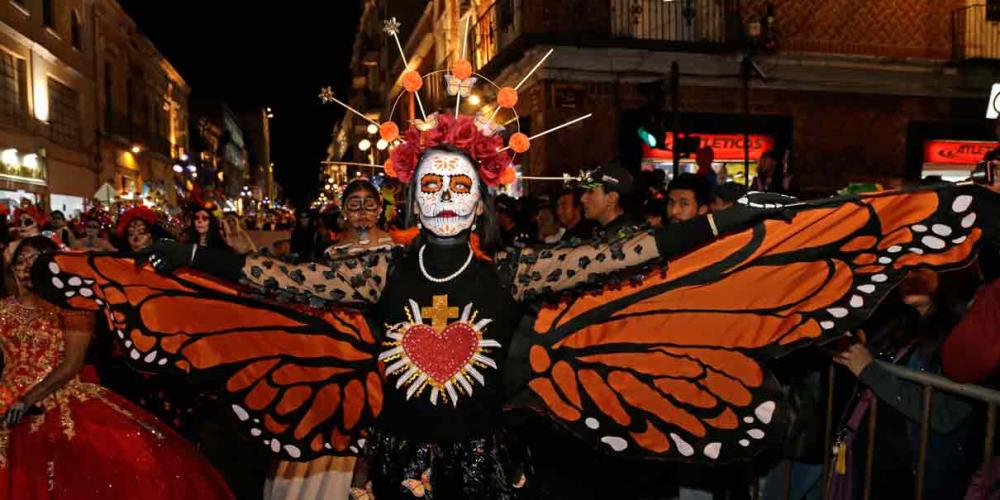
[(167, 256)]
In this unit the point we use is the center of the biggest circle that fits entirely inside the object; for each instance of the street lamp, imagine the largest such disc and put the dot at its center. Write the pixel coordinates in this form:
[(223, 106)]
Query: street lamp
[(372, 128), (364, 145), (381, 144), (136, 149)]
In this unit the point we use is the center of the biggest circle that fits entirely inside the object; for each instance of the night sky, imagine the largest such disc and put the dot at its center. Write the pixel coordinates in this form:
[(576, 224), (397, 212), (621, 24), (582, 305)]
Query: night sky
[(276, 54)]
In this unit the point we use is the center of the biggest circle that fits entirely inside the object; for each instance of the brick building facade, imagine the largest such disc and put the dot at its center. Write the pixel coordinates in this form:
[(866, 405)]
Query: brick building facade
[(853, 90)]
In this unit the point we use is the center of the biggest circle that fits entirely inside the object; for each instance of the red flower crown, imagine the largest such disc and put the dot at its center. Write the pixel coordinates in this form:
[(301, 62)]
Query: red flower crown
[(140, 212), (462, 133)]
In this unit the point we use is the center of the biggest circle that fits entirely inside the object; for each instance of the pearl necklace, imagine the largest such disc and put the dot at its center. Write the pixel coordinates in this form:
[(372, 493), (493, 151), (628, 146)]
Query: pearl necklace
[(423, 269)]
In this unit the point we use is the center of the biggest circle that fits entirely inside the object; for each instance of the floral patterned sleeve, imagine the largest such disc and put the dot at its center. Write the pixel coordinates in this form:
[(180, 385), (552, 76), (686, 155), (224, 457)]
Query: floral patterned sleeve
[(350, 279), (543, 270)]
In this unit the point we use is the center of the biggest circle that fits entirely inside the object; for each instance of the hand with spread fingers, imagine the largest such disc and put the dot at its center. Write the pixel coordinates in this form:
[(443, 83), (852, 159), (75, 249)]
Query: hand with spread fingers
[(236, 237), (15, 413)]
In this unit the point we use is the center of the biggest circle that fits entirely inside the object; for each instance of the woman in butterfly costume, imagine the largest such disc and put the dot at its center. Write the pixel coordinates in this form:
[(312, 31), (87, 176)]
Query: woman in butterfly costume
[(648, 345)]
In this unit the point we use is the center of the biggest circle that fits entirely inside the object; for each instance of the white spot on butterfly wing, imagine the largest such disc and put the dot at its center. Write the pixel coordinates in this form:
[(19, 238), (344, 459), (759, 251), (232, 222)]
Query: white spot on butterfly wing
[(857, 302), (916, 250), (162, 361), (616, 443), (748, 420), (74, 281), (682, 446), (150, 357), (866, 288), (879, 278), (933, 242), (765, 411), (134, 354), (241, 413), (712, 450), (961, 203), (969, 220), (895, 249), (827, 325), (275, 445), (56, 282), (86, 292), (293, 451), (884, 260), (744, 443), (919, 228), (837, 312), (959, 240), (756, 433), (592, 423), (53, 268), (255, 432), (941, 229)]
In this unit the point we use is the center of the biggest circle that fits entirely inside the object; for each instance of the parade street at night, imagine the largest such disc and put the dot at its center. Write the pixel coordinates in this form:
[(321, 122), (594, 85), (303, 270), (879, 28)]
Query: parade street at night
[(500, 250)]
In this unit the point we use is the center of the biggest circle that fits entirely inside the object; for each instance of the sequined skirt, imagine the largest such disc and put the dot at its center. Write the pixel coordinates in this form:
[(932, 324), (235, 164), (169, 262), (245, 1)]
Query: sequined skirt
[(90, 443), (492, 467)]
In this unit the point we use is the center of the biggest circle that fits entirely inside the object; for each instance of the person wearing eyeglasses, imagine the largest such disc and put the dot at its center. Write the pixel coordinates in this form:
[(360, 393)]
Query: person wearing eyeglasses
[(361, 205)]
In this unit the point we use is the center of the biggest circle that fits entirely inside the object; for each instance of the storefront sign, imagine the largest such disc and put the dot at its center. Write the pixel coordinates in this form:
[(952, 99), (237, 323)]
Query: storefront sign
[(956, 152), (727, 147)]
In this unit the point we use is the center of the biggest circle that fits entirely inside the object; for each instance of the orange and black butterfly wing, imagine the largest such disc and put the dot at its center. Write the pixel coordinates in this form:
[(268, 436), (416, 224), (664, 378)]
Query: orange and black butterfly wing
[(301, 381), (672, 367)]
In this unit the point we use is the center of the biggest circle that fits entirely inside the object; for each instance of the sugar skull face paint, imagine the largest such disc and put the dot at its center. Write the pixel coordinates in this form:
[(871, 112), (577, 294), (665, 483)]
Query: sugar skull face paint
[(447, 193)]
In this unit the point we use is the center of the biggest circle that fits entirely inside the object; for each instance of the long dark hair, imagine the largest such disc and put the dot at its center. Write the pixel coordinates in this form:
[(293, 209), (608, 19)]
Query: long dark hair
[(486, 225), (215, 239)]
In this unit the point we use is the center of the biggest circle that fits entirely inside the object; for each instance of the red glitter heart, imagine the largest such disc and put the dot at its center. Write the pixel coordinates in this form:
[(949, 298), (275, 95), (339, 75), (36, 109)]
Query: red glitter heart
[(440, 355)]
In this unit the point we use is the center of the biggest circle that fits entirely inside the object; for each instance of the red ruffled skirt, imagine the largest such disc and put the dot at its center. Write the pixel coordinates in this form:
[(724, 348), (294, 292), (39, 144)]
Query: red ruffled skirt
[(93, 444)]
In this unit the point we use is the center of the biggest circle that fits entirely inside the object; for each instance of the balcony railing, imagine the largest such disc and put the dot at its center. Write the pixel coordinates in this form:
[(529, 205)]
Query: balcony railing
[(974, 35), (500, 25), (696, 21), (651, 24)]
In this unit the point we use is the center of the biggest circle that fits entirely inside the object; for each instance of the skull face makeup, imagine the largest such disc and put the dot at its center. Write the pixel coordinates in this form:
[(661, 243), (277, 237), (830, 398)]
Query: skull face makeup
[(447, 193)]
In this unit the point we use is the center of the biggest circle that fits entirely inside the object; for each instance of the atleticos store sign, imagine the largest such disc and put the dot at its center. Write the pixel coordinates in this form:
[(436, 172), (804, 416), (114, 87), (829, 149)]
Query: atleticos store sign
[(727, 147), (956, 152)]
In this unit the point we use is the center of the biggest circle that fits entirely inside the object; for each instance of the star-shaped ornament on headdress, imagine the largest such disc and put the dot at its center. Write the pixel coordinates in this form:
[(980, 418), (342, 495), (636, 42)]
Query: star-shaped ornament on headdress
[(326, 95), (391, 26)]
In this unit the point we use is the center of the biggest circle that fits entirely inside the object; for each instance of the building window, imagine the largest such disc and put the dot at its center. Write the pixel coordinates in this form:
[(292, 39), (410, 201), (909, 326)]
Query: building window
[(74, 31), (48, 18), (13, 90), (64, 113)]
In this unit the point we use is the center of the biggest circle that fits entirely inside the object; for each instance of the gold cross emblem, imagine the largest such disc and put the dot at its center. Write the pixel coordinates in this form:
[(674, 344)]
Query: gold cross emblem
[(439, 313)]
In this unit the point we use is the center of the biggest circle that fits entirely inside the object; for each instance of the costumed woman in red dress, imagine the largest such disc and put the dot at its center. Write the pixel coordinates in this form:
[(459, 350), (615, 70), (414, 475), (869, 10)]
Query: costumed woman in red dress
[(62, 438)]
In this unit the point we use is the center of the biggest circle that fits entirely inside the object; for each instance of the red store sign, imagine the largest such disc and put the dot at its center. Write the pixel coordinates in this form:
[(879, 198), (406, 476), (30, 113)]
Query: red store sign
[(727, 147), (956, 152)]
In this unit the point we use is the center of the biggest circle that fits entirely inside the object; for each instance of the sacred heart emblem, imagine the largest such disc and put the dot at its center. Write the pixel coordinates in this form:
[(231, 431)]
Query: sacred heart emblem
[(446, 357)]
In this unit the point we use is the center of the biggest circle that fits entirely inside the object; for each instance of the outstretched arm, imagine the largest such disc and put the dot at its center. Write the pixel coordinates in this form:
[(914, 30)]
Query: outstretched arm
[(539, 271), (351, 278)]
